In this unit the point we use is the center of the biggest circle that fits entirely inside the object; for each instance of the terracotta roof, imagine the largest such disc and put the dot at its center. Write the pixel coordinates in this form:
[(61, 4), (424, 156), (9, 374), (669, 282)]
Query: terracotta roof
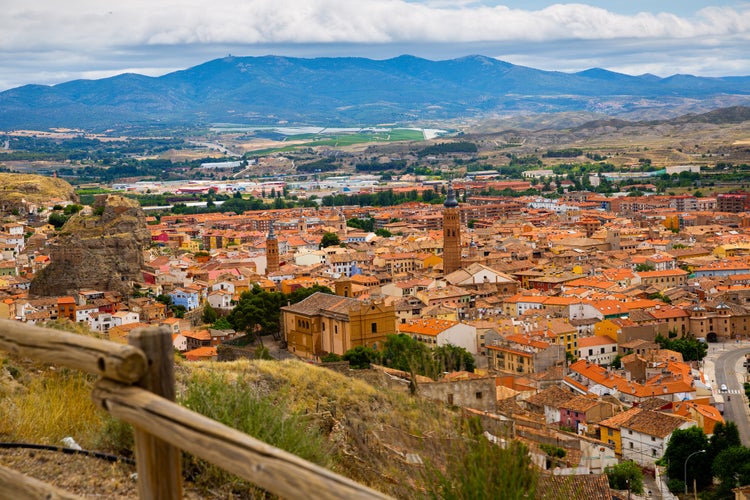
[(616, 421), (552, 396), (654, 423), (590, 487), (580, 404), (319, 301), (594, 341), (426, 326)]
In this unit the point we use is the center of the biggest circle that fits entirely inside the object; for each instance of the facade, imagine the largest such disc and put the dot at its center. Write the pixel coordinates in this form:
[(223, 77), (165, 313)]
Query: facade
[(272, 251), (451, 233), (520, 354), (439, 332), (186, 298), (645, 436), (597, 349), (324, 323)]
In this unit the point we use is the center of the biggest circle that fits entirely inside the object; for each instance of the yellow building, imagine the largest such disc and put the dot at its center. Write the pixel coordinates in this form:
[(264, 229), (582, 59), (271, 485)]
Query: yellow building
[(324, 323), (609, 429)]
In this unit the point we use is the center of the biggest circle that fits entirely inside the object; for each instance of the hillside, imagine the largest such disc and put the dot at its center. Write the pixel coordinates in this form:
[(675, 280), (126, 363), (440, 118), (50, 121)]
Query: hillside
[(363, 428), (18, 191), (355, 91)]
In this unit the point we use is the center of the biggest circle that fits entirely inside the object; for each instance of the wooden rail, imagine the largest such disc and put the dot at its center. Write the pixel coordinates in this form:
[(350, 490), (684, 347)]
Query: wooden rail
[(137, 386), (99, 357)]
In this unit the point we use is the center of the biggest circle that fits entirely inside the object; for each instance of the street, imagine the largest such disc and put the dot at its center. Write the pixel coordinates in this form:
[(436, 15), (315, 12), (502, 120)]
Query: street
[(728, 364)]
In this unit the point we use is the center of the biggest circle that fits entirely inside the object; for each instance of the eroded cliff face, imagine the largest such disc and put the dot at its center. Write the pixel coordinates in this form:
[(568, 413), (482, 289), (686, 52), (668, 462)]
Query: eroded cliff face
[(103, 251)]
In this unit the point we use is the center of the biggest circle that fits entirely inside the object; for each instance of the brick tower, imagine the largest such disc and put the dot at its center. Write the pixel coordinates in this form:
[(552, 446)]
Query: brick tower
[(272, 252), (451, 232)]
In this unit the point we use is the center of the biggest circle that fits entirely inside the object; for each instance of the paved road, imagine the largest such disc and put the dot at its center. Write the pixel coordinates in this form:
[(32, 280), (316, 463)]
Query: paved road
[(727, 366)]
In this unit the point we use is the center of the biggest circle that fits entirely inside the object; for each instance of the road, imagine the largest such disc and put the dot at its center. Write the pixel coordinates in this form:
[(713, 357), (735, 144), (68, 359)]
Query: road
[(727, 365)]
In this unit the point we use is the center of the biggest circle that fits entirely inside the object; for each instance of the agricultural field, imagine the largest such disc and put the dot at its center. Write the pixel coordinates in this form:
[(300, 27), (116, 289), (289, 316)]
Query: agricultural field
[(264, 140)]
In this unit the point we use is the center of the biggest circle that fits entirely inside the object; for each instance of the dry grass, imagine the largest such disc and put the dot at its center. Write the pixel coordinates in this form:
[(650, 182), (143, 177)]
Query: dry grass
[(52, 405)]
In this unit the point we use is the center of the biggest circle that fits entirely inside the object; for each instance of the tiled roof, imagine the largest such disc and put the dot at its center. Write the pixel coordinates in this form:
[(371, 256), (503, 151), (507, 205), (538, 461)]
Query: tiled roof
[(426, 326), (319, 301), (580, 404), (552, 396), (590, 487), (594, 341), (616, 421), (654, 423)]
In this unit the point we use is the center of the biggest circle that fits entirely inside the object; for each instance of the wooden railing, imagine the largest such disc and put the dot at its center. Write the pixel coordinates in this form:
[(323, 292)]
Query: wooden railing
[(137, 386)]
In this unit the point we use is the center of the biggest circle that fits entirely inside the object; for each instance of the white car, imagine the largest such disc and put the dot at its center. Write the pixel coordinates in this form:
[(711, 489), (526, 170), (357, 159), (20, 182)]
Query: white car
[(723, 388)]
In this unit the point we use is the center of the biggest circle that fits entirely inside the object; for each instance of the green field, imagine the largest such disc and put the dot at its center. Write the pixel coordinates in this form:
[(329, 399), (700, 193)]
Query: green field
[(340, 139)]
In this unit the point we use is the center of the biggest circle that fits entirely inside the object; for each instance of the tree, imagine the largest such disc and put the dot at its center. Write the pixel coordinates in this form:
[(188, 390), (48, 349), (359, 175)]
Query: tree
[(690, 348), (209, 315), (257, 312), (451, 358), (222, 324), (681, 445), (57, 219), (732, 467), (360, 357), (329, 239), (625, 475), (644, 267)]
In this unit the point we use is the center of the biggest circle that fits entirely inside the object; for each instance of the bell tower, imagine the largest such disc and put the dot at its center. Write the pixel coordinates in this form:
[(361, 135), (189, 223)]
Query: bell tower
[(451, 232), (272, 251)]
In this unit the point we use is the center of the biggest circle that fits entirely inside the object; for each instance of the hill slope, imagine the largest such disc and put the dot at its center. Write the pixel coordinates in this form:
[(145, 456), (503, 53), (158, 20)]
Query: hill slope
[(352, 91)]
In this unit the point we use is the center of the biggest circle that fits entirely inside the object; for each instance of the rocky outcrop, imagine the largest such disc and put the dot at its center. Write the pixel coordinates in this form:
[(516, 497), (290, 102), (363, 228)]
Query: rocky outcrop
[(101, 251), (24, 192)]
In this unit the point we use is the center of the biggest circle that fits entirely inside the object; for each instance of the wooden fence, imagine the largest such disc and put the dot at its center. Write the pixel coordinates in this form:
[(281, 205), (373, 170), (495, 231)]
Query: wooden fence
[(137, 386)]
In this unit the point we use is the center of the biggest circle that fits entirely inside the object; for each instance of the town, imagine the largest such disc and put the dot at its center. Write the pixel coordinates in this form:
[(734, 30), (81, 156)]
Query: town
[(587, 317)]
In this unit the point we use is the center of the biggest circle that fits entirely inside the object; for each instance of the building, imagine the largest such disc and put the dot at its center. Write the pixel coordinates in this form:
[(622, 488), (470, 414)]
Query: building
[(520, 354), (451, 232), (324, 323), (438, 332), (645, 435), (598, 349), (272, 251)]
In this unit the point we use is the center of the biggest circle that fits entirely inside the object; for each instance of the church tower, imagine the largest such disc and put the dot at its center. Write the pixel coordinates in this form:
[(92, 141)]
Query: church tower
[(451, 232), (272, 252)]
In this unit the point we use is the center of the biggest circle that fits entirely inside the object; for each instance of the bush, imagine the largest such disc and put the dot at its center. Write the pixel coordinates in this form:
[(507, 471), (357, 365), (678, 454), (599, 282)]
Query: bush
[(238, 404), (625, 475)]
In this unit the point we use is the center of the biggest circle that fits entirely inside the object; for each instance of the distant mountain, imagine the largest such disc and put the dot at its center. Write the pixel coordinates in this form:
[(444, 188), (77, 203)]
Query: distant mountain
[(356, 91)]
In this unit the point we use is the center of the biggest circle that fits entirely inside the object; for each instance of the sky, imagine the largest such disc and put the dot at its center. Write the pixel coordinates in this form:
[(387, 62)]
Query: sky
[(49, 41)]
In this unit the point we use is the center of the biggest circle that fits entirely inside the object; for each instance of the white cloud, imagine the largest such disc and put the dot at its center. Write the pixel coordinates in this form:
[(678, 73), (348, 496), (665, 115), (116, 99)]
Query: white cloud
[(83, 36)]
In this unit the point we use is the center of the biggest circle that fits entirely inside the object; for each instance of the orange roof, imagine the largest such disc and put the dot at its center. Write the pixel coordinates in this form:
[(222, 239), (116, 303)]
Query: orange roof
[(201, 353), (594, 341), (426, 326)]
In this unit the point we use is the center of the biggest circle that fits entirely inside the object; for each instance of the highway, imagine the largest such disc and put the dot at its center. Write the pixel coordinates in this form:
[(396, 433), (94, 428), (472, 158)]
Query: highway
[(727, 365)]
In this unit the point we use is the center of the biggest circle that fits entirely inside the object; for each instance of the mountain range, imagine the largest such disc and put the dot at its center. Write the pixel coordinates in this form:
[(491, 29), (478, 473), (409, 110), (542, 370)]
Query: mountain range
[(357, 91)]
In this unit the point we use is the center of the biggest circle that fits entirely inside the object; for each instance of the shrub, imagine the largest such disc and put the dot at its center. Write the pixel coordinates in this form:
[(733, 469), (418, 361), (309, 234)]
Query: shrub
[(238, 404)]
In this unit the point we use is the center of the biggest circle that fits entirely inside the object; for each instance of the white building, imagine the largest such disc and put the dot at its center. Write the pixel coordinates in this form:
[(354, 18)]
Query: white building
[(597, 349), (645, 436)]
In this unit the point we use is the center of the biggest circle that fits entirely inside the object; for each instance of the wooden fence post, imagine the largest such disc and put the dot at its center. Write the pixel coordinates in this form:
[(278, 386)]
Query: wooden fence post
[(157, 462)]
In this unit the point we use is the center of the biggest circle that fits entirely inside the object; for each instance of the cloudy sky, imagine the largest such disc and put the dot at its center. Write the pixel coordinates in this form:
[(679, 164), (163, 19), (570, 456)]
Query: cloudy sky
[(49, 41)]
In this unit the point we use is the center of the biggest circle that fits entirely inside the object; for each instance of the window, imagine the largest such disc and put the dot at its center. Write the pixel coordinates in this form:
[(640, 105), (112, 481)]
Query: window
[(631, 445), (653, 438), (374, 327), (450, 399), (610, 432), (335, 328), (478, 395)]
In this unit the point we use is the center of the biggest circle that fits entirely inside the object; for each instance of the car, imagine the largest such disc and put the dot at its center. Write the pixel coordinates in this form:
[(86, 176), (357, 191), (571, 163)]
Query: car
[(723, 388)]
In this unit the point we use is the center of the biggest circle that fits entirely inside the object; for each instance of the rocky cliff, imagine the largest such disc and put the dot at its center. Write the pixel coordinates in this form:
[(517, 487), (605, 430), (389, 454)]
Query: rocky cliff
[(22, 192), (102, 250)]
